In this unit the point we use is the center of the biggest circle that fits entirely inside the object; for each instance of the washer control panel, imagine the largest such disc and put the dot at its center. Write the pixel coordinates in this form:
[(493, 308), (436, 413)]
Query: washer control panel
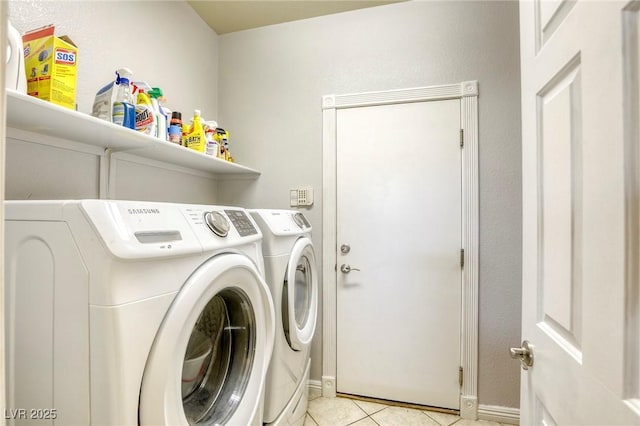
[(218, 224), (241, 222)]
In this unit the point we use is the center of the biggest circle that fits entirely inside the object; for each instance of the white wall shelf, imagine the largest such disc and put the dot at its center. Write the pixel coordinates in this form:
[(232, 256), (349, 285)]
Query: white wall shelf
[(34, 115)]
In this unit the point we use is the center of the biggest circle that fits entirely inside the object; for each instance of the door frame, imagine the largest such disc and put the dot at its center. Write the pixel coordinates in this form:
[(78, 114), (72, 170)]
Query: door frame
[(467, 92), (4, 12)]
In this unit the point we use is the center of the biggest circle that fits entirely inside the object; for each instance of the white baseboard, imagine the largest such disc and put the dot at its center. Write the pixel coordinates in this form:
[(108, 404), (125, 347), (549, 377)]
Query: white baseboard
[(314, 385), (499, 414)]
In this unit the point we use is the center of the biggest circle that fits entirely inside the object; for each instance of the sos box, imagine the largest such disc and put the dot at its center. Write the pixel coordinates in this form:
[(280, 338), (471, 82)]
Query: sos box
[(51, 64)]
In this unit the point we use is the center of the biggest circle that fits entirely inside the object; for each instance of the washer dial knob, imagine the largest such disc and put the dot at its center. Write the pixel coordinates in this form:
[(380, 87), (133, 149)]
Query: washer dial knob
[(218, 224)]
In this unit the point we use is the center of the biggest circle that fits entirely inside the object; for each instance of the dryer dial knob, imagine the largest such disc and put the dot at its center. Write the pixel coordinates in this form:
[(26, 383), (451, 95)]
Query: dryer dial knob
[(218, 224)]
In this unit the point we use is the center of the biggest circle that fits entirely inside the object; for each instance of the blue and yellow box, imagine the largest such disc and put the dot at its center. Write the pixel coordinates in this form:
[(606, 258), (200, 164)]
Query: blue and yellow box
[(51, 64)]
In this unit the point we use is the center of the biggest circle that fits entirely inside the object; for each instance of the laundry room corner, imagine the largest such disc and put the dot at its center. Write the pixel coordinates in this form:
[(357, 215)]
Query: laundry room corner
[(272, 81), (265, 86), (320, 213)]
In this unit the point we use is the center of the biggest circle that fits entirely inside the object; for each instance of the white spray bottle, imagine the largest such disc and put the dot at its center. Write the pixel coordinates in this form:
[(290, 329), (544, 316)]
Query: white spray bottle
[(124, 110), (156, 95)]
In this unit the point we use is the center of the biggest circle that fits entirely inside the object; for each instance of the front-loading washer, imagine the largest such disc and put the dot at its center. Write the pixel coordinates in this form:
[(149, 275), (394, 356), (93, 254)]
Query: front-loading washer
[(126, 312), (291, 274)]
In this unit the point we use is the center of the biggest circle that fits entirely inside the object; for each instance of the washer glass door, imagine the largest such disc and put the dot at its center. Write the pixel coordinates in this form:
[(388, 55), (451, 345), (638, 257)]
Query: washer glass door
[(300, 295), (209, 358), (218, 358)]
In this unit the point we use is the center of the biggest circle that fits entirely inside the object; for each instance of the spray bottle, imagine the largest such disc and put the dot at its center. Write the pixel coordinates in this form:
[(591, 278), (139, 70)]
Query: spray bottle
[(145, 116), (123, 111), (156, 96)]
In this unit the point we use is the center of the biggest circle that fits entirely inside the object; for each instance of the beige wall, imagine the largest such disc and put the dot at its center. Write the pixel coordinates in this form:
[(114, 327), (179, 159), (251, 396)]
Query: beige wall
[(270, 88)]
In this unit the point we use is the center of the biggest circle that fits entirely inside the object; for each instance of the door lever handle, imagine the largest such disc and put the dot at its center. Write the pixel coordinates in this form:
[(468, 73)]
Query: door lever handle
[(524, 354), (345, 269)]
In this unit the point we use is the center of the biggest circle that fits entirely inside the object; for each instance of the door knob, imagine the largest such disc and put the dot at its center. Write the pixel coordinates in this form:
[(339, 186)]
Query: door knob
[(345, 269), (524, 354)]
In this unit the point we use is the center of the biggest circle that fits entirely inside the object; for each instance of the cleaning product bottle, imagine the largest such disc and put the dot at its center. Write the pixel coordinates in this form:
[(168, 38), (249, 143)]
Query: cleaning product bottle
[(225, 143), (195, 138), (209, 133), (175, 134), (167, 112), (222, 137), (156, 95), (145, 117), (175, 128), (123, 111), (176, 119)]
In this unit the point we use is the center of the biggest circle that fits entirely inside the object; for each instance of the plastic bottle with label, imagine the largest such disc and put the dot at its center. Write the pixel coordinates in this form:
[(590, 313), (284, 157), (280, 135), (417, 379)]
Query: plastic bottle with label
[(161, 129), (175, 128), (146, 120), (209, 133), (195, 138), (123, 110)]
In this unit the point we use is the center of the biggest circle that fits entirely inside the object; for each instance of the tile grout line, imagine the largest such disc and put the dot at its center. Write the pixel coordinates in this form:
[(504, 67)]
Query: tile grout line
[(369, 415), (426, 413), (374, 420), (359, 408), (314, 420)]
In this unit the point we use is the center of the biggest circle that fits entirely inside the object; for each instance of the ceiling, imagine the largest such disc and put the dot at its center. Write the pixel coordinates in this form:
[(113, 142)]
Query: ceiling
[(227, 16)]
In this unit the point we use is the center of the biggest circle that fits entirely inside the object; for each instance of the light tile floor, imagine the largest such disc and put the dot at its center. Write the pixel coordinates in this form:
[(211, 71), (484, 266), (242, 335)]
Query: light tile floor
[(345, 411)]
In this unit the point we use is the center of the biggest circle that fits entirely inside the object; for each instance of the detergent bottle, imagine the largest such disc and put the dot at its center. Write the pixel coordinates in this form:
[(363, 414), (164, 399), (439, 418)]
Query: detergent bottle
[(123, 107), (156, 96), (146, 120), (195, 138)]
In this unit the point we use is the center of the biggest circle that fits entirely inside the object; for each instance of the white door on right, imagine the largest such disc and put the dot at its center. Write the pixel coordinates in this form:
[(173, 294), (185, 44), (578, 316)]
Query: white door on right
[(580, 126)]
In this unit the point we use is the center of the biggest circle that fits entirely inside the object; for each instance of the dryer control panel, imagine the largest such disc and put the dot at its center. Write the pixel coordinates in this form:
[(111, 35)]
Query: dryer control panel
[(241, 222)]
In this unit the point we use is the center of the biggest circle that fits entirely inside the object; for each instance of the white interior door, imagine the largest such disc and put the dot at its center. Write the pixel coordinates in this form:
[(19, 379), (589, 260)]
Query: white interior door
[(580, 258), (399, 213)]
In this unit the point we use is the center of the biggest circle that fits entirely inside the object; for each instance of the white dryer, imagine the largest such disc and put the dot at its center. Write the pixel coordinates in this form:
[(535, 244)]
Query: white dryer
[(126, 313), (291, 273)]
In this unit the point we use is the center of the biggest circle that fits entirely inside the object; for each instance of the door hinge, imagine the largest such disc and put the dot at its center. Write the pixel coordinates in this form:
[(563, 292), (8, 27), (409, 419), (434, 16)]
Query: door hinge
[(461, 138), (460, 376), (462, 258)]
